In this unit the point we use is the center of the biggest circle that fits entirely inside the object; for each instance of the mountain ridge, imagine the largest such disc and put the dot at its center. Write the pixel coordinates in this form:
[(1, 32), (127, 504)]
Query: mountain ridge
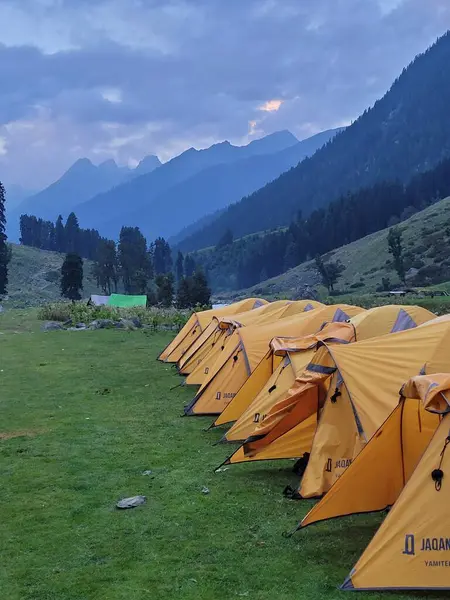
[(105, 211), (405, 132), (213, 189)]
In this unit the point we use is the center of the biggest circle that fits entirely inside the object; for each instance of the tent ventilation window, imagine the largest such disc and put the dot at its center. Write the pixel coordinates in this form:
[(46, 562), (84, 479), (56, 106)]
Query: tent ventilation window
[(438, 474)]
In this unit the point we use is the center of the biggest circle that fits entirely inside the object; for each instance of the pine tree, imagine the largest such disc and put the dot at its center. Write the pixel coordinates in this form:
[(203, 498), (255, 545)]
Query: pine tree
[(106, 267), (179, 267), (162, 256), (189, 266), (134, 259), (330, 272), (165, 289), (72, 234), (200, 292), (184, 294), (60, 235), (396, 249), (72, 277), (5, 253)]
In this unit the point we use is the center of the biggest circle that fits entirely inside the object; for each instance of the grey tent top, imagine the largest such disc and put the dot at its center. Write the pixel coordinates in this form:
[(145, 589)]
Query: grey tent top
[(99, 300)]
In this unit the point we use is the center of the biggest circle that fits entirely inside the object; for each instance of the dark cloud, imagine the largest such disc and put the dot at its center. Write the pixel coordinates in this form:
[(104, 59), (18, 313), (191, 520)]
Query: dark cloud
[(120, 78)]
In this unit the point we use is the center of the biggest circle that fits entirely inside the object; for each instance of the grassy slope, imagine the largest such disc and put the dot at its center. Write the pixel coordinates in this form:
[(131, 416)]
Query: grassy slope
[(34, 277), (77, 433), (365, 260)]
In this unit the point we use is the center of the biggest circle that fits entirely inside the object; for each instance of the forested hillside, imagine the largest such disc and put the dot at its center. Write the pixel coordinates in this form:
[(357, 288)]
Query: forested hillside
[(406, 132), (368, 267), (254, 258)]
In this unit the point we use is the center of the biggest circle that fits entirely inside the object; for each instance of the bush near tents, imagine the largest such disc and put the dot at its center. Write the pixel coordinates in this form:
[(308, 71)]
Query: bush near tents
[(80, 312)]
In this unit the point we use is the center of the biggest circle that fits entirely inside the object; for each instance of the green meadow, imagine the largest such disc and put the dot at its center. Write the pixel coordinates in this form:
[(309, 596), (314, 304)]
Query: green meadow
[(83, 415)]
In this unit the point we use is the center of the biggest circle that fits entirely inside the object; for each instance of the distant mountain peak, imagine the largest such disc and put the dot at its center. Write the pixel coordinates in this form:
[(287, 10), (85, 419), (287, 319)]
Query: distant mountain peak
[(81, 162), (109, 162), (148, 164)]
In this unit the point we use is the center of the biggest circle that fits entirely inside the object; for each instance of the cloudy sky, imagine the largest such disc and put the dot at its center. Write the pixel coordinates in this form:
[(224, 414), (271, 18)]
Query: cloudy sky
[(124, 78)]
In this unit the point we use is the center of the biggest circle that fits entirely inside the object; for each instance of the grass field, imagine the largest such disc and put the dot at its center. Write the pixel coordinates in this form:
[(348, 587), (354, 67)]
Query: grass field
[(83, 414)]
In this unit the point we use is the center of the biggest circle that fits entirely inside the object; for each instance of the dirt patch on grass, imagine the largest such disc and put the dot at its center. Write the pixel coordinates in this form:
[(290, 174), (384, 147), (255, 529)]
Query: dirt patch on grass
[(9, 435)]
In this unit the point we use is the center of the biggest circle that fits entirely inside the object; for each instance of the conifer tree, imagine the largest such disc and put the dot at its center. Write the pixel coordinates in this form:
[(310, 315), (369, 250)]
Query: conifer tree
[(134, 260), (189, 265), (72, 277), (60, 235), (396, 249), (106, 266), (179, 267), (200, 292), (184, 294), (72, 234), (165, 289)]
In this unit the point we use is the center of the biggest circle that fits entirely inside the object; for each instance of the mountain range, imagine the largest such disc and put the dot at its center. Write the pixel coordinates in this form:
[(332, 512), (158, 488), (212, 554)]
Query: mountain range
[(79, 183), (178, 197), (213, 188), (143, 200), (406, 132)]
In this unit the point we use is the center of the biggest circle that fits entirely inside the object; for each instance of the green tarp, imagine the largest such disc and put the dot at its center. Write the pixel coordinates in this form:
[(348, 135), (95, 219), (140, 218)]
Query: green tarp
[(125, 301)]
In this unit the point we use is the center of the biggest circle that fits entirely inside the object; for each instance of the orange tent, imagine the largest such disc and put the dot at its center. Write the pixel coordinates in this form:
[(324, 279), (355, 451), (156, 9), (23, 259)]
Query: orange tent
[(290, 356), (405, 465), (245, 349), (198, 322), (197, 360), (341, 399)]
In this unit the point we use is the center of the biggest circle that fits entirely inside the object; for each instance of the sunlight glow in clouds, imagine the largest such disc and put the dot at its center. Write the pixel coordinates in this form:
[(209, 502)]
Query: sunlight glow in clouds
[(271, 106)]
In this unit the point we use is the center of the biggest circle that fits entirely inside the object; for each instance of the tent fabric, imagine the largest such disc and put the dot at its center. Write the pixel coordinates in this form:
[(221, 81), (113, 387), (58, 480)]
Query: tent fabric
[(97, 300), (248, 410), (212, 353), (127, 301), (396, 468), (256, 384), (219, 328), (367, 324), (293, 444), (198, 322), (245, 349), (369, 374), (200, 359)]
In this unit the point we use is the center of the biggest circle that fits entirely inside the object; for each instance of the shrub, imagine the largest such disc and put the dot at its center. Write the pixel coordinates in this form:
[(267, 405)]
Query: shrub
[(80, 312), (59, 311)]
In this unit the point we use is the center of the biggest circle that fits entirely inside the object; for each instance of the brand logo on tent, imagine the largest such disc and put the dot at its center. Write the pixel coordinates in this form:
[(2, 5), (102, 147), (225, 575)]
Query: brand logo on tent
[(426, 545), (409, 545)]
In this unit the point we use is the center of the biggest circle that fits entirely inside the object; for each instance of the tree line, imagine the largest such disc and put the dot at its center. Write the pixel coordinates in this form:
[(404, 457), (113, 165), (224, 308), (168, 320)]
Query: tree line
[(66, 237), (141, 269), (250, 260)]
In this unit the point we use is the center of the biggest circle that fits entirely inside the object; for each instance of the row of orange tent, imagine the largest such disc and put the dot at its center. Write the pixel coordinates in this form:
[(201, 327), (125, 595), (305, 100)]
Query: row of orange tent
[(320, 384)]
